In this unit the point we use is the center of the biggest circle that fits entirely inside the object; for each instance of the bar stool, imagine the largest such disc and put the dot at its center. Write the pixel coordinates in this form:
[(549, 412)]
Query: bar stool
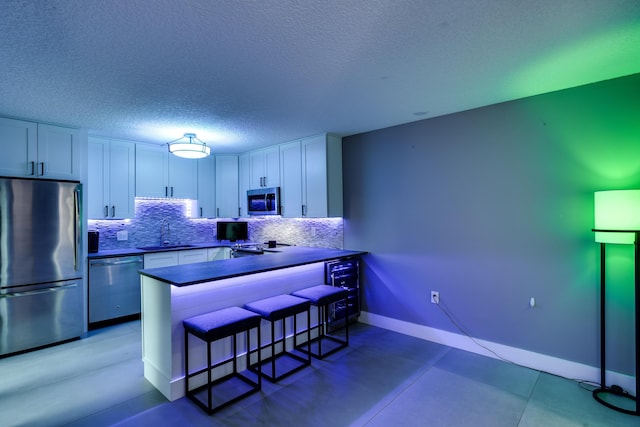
[(322, 296), (275, 309), (211, 327)]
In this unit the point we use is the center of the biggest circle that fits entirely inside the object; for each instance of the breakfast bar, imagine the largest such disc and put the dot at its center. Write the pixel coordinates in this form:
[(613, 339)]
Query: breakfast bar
[(172, 294)]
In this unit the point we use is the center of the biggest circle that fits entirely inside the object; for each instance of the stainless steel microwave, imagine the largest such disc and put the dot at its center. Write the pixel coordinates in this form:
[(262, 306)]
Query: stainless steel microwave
[(264, 201)]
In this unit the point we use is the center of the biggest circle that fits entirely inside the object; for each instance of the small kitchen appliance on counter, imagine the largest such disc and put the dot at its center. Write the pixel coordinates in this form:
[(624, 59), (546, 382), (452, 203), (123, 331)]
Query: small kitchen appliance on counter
[(93, 239)]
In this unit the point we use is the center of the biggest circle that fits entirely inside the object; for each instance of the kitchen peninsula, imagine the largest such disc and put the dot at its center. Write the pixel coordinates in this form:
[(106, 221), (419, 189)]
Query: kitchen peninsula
[(172, 294)]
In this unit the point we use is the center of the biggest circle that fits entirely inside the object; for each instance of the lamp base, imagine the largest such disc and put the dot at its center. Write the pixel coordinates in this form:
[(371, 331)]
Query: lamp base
[(599, 393)]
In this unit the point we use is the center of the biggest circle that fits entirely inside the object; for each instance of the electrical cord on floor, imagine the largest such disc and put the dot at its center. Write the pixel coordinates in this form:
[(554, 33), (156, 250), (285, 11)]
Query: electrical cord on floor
[(581, 383)]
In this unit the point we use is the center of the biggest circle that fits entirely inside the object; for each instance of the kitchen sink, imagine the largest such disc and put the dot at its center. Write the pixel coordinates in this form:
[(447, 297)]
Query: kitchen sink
[(156, 248)]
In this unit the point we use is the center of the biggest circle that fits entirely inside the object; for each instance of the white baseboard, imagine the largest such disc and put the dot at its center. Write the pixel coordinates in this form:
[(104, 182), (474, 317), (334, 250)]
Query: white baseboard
[(526, 358)]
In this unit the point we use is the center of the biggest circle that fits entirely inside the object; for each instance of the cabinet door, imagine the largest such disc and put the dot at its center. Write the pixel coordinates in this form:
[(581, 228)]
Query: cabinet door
[(59, 152), (161, 259), (291, 185), (206, 187), (256, 169), (227, 186), (314, 173), (217, 254), (151, 171), (322, 176), (18, 145), (97, 179), (121, 179), (192, 256), (244, 182), (183, 178), (272, 167), (265, 167)]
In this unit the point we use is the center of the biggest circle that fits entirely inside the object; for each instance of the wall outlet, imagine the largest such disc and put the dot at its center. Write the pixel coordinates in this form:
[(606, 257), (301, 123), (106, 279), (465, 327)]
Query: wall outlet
[(435, 297), (122, 235)]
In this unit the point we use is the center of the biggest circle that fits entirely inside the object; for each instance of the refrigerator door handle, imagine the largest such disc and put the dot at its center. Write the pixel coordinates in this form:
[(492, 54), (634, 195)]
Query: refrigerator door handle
[(76, 229), (40, 291)]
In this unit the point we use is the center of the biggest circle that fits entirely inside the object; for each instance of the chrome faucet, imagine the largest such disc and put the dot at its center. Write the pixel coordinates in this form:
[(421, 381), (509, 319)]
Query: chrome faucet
[(165, 232)]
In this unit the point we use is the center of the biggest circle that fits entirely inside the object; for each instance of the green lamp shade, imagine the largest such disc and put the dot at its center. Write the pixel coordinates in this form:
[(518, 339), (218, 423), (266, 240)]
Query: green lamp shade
[(617, 210)]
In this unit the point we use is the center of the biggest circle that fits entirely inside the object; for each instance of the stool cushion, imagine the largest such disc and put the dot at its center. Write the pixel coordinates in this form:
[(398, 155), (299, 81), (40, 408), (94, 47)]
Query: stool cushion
[(278, 307), (221, 323), (322, 294)]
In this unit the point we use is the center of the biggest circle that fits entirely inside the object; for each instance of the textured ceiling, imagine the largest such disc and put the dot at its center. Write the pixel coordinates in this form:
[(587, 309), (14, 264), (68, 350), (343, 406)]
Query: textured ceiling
[(248, 73)]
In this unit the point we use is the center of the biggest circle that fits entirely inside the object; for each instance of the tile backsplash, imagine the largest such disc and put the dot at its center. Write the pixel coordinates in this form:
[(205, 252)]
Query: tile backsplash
[(146, 229)]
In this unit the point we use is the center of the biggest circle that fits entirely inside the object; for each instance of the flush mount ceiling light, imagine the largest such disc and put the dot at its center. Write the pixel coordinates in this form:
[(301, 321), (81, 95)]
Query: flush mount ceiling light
[(191, 149)]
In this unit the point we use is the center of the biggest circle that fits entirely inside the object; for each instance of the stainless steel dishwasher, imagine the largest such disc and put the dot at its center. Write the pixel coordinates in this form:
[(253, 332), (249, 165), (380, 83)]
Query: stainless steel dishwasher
[(114, 288)]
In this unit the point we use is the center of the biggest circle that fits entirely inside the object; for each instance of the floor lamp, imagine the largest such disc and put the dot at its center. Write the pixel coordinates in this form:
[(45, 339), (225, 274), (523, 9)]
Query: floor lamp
[(617, 221)]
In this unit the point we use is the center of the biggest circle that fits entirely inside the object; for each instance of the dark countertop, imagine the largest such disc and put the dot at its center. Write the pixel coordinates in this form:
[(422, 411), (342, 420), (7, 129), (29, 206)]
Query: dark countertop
[(191, 274)]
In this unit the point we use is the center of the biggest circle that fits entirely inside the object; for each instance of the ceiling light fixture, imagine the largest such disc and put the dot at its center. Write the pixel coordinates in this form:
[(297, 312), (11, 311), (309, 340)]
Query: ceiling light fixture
[(191, 149)]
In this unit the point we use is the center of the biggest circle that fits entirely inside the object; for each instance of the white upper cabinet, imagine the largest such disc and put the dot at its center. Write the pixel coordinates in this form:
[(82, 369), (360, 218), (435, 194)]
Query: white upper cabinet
[(321, 176), (183, 177), (111, 179), (59, 152), (227, 203), (38, 150), (311, 176), (244, 182), (159, 174), (152, 171), (264, 165), (291, 179), (206, 187)]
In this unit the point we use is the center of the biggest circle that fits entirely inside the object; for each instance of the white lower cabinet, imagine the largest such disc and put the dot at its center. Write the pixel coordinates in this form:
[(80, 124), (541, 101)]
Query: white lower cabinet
[(171, 258), (217, 254), (161, 259), (192, 256)]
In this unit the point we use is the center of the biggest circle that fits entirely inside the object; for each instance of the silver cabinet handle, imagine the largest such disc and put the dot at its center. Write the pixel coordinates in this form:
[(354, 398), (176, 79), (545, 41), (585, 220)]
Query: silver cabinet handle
[(218, 212), (166, 191), (106, 211), (42, 169), (113, 211), (33, 168), (171, 191), (200, 212), (304, 210)]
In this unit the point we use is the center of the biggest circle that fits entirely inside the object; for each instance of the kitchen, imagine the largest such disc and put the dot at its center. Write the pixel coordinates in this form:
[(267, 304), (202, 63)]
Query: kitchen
[(490, 206)]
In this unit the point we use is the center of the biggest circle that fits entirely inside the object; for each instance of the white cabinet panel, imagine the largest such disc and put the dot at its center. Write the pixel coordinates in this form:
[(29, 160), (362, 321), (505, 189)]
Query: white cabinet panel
[(111, 178), (216, 254), (291, 182), (264, 165), (161, 259), (227, 203), (39, 150), (183, 178), (160, 174), (152, 171), (244, 182), (58, 152), (192, 256), (206, 187)]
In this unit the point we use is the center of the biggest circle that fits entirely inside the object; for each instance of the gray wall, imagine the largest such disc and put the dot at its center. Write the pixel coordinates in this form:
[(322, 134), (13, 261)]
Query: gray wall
[(493, 206)]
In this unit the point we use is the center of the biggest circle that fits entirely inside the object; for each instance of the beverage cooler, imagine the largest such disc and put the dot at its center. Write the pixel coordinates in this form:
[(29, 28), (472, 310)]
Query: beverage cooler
[(344, 273)]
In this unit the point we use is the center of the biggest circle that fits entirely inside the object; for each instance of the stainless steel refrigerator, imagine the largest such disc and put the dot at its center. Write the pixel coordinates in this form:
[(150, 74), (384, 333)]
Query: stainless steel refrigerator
[(40, 263)]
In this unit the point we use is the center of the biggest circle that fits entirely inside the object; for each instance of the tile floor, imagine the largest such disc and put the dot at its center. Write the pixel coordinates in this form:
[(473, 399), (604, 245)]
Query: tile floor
[(382, 379)]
